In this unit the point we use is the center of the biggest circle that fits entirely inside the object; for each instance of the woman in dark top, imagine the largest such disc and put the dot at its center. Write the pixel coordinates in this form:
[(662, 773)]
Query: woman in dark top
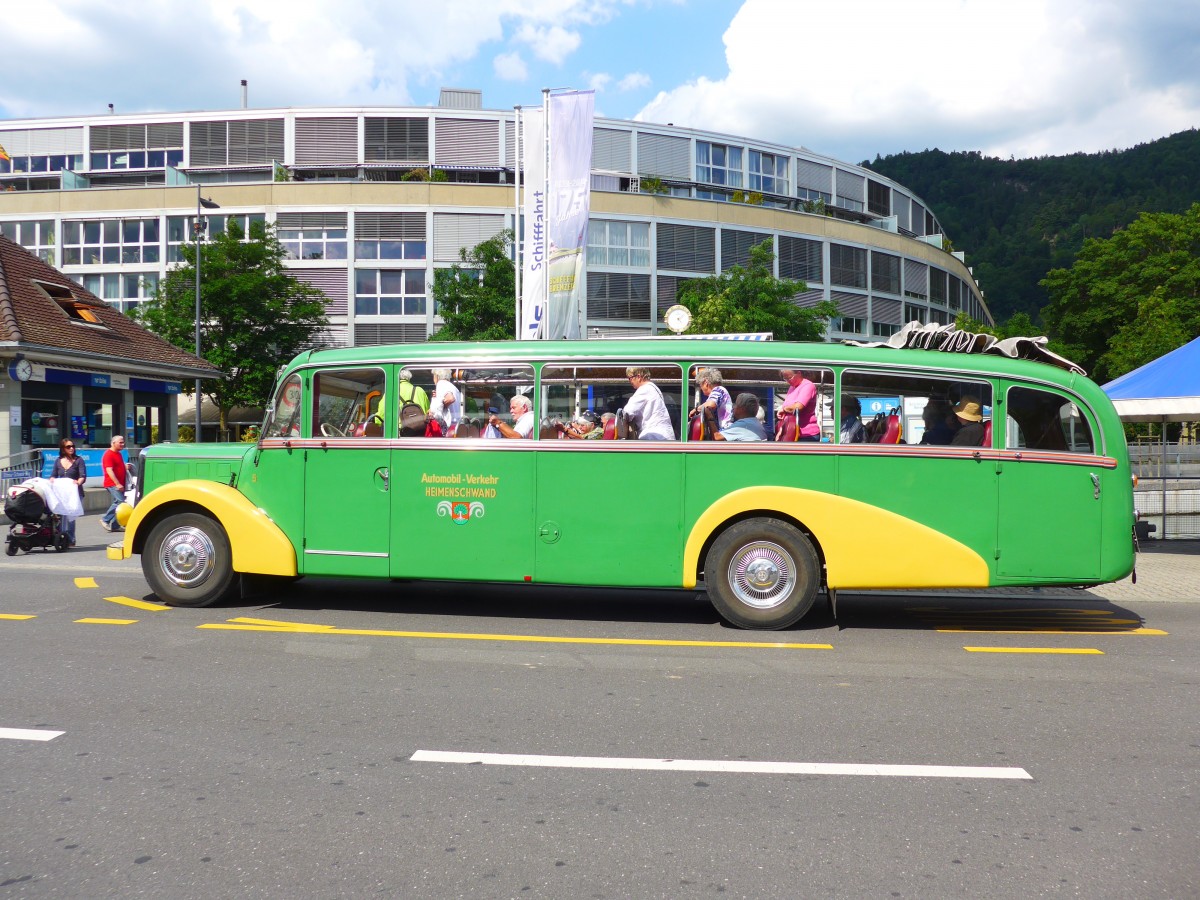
[(70, 466)]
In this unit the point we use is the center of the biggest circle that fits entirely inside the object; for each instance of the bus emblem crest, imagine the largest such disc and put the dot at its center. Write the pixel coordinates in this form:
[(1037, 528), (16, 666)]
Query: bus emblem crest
[(460, 512)]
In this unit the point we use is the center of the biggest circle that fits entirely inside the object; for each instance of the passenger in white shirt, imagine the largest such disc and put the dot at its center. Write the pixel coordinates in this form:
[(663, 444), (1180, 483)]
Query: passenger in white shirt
[(521, 408), (646, 408), (446, 403)]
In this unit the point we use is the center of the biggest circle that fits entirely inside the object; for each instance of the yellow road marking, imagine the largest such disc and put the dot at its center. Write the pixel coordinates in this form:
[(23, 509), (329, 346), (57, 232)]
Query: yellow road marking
[(86, 583), (1156, 631), (106, 621), (270, 625), (137, 604), (1064, 650), (15, 617)]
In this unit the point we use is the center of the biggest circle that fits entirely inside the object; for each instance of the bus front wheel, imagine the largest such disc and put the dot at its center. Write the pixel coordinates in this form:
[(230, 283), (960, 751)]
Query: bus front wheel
[(187, 561), (762, 573)]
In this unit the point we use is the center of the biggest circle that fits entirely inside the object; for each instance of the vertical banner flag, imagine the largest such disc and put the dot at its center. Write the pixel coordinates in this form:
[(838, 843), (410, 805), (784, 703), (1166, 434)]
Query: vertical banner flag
[(533, 264), (568, 201)]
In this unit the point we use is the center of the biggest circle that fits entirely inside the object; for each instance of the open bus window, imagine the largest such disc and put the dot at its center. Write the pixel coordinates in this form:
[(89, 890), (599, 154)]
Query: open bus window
[(348, 403), (768, 386), (1041, 420), (916, 409), (283, 418), (568, 391)]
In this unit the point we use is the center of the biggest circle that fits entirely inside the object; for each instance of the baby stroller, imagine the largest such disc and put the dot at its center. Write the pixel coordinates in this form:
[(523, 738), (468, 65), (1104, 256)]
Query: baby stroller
[(33, 525)]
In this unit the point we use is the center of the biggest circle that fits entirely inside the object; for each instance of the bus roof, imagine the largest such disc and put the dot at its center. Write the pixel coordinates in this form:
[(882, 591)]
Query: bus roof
[(713, 351)]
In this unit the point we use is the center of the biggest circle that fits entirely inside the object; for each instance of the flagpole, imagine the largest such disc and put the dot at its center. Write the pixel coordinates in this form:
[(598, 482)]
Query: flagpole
[(518, 258), (546, 193)]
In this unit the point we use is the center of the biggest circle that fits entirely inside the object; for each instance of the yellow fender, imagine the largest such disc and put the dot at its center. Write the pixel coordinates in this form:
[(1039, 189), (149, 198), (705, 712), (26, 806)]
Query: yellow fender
[(259, 545), (865, 547)]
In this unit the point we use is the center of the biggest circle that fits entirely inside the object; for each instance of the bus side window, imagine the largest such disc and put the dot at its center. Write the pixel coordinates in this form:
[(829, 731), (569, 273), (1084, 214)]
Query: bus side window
[(922, 408), (345, 401), (284, 420), (1041, 420)]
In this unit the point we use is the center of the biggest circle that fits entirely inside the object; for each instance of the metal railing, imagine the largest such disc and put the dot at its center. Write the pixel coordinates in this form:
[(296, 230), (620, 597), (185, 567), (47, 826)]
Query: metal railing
[(1168, 490), (18, 467)]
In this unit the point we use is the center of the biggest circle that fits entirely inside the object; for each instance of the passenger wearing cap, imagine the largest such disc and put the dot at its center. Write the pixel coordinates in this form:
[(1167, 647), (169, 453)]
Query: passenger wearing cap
[(584, 427), (969, 414)]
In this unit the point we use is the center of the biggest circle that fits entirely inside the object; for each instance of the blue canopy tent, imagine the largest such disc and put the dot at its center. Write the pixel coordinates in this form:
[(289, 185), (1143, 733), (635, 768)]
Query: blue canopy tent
[(1164, 390)]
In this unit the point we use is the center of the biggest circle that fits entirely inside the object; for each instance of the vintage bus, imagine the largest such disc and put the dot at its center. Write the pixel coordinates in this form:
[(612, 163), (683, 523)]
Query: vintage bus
[(336, 487)]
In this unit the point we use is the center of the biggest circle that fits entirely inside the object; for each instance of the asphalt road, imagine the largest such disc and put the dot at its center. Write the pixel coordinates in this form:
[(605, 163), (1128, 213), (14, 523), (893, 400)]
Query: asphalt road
[(342, 740)]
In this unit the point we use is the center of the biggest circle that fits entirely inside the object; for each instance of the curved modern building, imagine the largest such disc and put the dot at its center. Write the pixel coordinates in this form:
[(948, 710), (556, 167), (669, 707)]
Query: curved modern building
[(371, 201)]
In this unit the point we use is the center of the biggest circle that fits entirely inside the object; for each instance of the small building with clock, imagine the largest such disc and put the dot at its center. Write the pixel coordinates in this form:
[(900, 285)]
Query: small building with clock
[(72, 366)]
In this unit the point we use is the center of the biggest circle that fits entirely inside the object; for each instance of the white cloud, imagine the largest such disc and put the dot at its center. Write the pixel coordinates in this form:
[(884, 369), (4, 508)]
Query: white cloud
[(1025, 77), (553, 43), (599, 81), (510, 67), (634, 81), (190, 54)]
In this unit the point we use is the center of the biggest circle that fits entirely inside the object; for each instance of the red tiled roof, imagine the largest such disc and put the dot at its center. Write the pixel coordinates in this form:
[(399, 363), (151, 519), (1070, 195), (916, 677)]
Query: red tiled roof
[(30, 317)]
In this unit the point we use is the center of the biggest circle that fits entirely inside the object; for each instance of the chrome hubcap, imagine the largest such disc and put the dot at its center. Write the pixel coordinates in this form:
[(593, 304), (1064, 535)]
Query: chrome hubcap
[(762, 575), (186, 557)]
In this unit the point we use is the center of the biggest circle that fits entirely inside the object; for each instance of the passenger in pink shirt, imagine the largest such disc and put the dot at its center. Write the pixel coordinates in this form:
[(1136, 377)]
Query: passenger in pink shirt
[(801, 401)]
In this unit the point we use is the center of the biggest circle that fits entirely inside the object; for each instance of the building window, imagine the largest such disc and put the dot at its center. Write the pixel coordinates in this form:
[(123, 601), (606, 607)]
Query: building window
[(718, 164), (813, 196), (179, 230), (136, 159), (389, 250), (885, 273), (124, 291), (37, 237), (314, 243), (847, 266), (914, 313), (57, 162), (618, 295), (848, 324), (883, 330), (389, 292), (768, 172), (618, 244), (110, 242), (879, 198)]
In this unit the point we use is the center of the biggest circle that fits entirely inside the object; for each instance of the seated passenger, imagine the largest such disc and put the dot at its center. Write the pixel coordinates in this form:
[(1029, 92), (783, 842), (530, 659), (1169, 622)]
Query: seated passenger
[(584, 427), (745, 425), (521, 408), (969, 413), (716, 396), (937, 415), (852, 431)]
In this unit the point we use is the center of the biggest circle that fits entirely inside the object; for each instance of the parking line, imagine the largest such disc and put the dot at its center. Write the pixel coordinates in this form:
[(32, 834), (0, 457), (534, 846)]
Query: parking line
[(15, 617), (106, 621), (86, 583), (1089, 651), (274, 627), (718, 765), (29, 734), (137, 604)]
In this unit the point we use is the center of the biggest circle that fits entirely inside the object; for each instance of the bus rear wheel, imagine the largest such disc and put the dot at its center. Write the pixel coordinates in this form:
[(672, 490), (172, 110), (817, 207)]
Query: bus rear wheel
[(762, 574), (187, 561)]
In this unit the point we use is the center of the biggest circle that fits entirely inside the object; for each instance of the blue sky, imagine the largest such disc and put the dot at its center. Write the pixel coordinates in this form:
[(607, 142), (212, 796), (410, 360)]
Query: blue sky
[(849, 79)]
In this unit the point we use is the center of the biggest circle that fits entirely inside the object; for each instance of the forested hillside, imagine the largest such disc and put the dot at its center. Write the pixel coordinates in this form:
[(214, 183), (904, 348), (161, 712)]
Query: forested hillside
[(1017, 219)]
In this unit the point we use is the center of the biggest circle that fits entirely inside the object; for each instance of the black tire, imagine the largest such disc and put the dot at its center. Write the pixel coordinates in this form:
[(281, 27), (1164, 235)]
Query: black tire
[(187, 561), (61, 542), (11, 548), (762, 574)]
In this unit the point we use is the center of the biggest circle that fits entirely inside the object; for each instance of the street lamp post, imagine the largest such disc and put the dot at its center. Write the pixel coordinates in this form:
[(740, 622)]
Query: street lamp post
[(197, 230)]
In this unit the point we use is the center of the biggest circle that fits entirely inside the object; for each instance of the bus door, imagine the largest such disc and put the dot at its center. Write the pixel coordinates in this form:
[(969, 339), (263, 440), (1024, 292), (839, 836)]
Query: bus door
[(462, 506), (609, 510), (347, 477), (1050, 505)]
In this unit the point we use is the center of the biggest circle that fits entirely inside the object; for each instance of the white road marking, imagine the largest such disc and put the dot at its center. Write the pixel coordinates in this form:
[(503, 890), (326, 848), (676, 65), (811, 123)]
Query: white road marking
[(718, 765), (29, 734)]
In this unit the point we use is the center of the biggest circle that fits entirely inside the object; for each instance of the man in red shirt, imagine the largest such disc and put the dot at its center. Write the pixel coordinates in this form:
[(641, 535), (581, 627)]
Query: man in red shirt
[(113, 464)]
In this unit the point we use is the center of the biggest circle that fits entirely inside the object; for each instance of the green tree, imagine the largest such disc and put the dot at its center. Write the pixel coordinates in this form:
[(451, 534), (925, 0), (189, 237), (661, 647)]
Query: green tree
[(476, 298), (1130, 297), (253, 314), (753, 299)]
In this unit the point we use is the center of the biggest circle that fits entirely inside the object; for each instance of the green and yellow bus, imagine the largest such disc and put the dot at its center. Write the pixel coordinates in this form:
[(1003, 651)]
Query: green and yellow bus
[(337, 487)]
